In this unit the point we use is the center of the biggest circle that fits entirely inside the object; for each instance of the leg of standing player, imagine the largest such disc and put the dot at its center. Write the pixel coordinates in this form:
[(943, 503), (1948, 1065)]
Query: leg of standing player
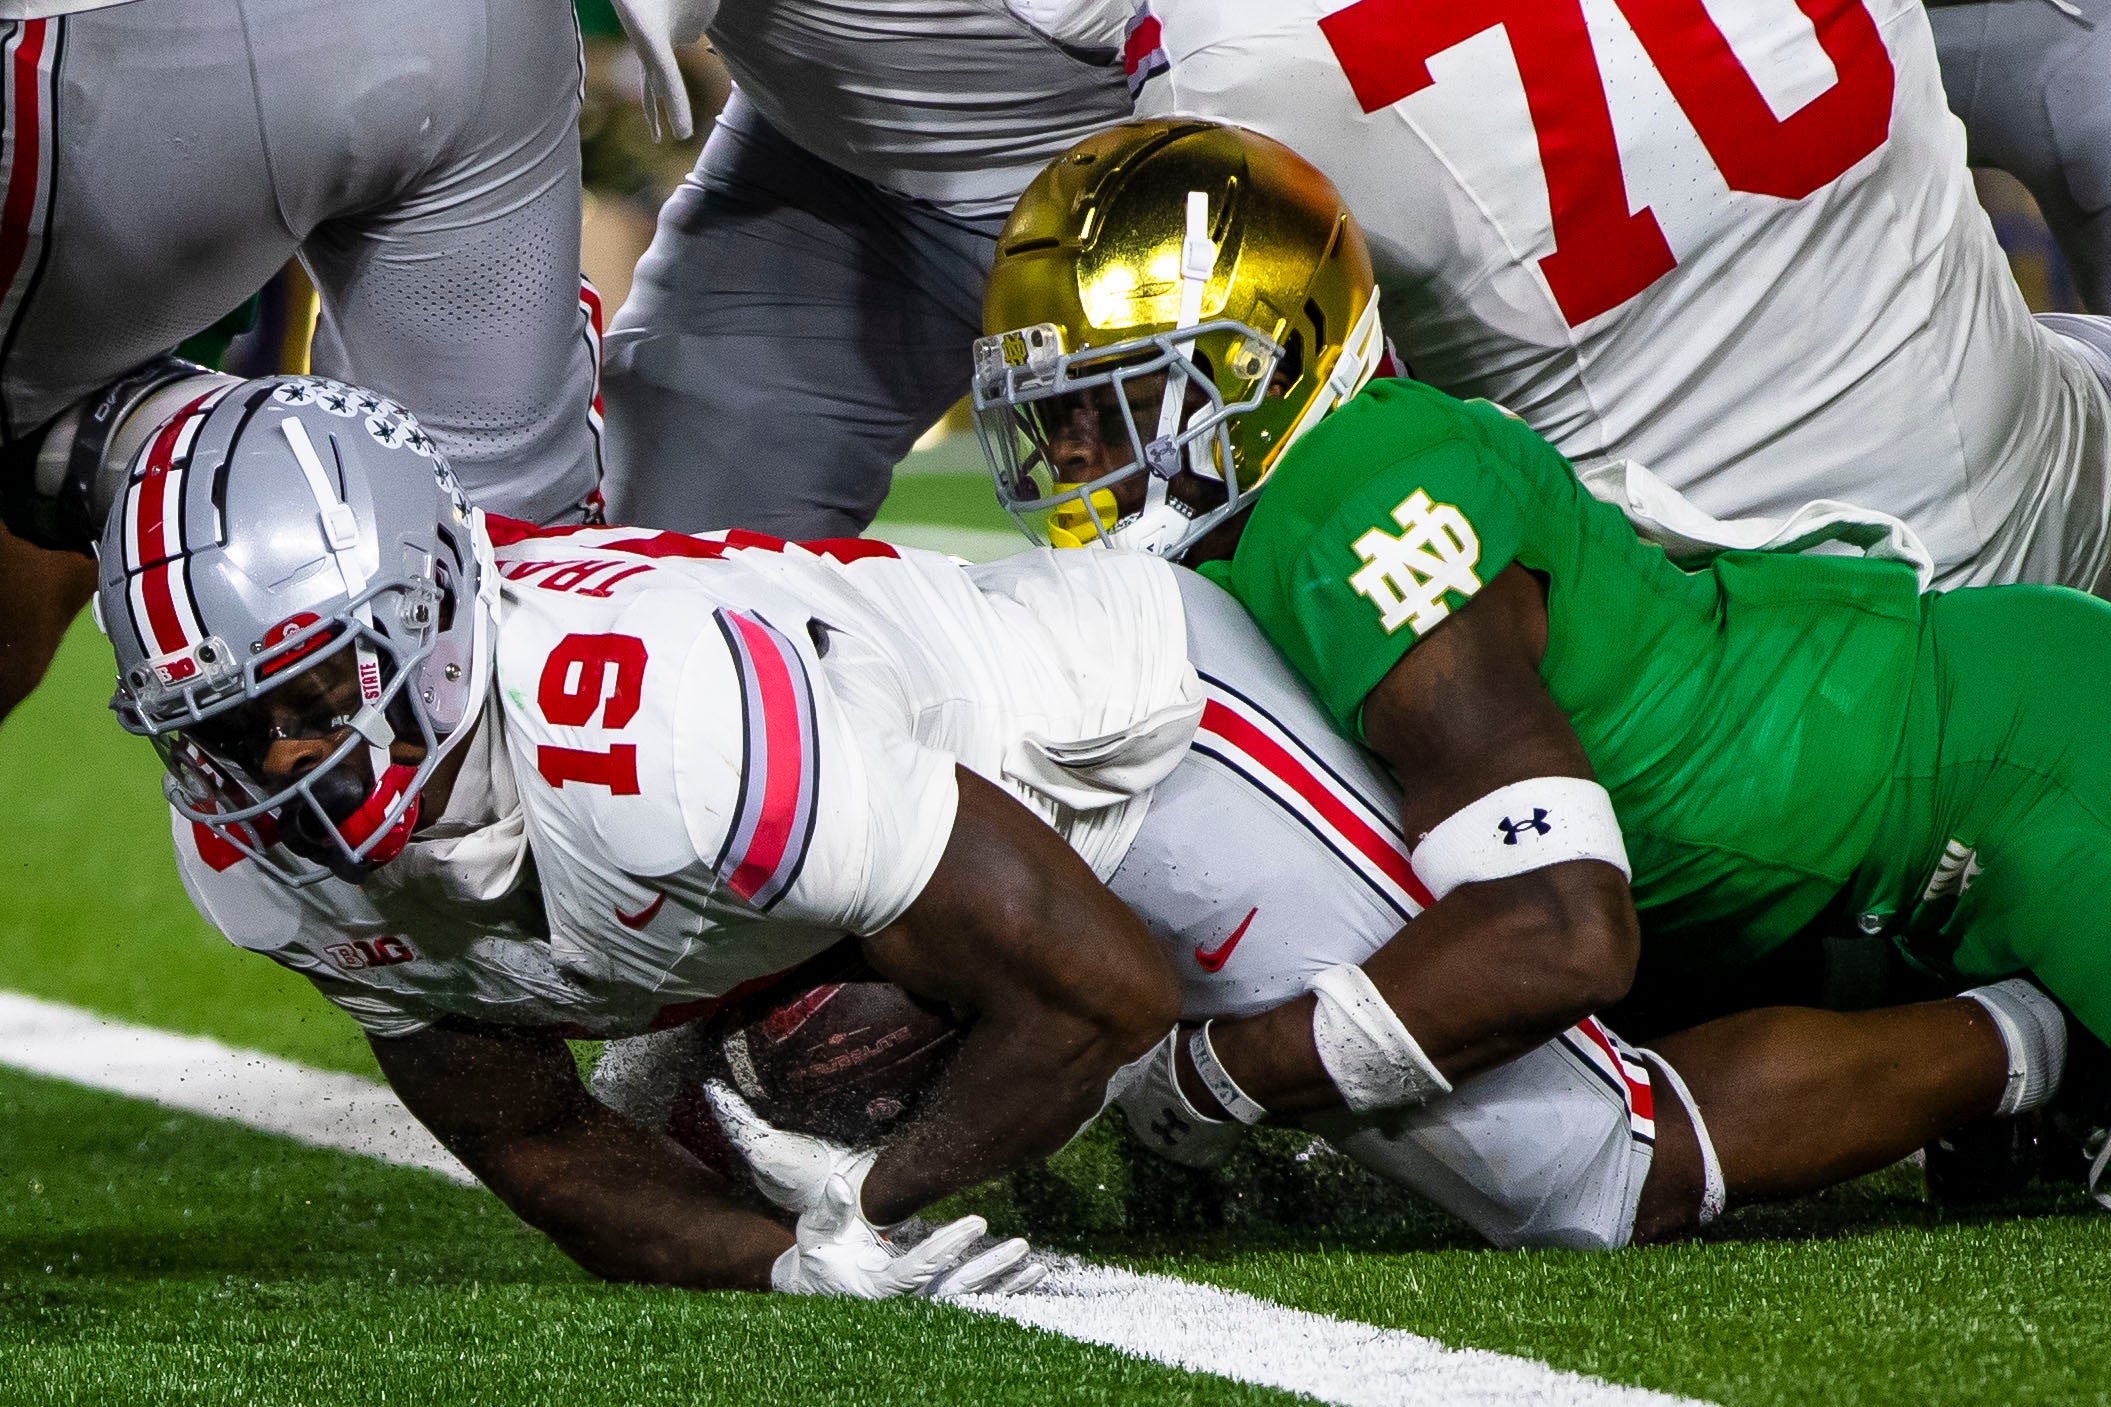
[(461, 295), (454, 288), (792, 330), (2032, 83), (97, 272), (42, 591)]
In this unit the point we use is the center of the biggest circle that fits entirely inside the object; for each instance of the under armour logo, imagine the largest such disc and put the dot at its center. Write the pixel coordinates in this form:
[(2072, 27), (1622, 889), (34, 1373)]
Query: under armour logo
[(1169, 1127), (1406, 577), (1537, 822)]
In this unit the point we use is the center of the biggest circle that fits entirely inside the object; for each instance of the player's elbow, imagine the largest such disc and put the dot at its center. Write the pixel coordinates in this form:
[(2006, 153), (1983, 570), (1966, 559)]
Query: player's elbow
[(1097, 975), (1586, 942), (1137, 1012)]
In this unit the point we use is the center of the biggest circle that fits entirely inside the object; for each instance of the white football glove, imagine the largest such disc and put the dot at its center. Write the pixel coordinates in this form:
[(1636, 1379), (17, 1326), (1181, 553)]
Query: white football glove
[(836, 1251), (656, 29), (1149, 1096)]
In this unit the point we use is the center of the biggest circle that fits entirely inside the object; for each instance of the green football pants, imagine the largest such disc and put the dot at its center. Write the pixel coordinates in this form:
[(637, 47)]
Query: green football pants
[(1994, 853)]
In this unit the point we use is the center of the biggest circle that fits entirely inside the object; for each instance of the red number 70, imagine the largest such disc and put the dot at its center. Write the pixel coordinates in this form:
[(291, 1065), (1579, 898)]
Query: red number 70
[(1604, 254)]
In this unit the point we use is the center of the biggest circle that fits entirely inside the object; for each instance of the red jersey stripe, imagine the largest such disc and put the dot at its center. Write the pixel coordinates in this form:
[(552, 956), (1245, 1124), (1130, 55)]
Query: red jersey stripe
[(1639, 1098), (24, 173), (783, 760), (1220, 719)]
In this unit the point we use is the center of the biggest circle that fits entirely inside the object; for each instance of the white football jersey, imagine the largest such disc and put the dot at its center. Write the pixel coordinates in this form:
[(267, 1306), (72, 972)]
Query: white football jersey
[(703, 760), (956, 102), (1734, 240)]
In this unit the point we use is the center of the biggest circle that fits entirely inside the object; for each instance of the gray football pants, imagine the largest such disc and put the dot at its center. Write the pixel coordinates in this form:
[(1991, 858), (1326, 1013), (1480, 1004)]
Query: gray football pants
[(164, 158), (2032, 85), (792, 330)]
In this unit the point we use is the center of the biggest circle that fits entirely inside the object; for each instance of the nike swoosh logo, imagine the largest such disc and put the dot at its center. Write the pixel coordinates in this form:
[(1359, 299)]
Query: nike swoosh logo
[(1213, 961), (644, 915)]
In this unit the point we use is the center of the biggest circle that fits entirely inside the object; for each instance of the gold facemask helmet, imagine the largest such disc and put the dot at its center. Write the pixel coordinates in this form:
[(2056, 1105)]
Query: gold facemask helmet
[(1187, 294)]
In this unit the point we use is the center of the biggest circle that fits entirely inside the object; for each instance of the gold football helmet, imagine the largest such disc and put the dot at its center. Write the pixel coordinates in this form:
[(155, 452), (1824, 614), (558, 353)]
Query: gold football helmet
[(1173, 303)]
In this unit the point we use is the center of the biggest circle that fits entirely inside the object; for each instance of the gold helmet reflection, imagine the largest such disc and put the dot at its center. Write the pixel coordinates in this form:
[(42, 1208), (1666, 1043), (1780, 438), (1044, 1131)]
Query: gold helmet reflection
[(1207, 285)]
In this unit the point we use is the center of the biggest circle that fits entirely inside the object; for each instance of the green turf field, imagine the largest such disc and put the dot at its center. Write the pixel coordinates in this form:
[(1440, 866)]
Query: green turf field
[(154, 1257)]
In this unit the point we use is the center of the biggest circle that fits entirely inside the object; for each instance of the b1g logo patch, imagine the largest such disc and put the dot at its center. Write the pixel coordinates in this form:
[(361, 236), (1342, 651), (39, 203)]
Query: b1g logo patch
[(1406, 577), (363, 953)]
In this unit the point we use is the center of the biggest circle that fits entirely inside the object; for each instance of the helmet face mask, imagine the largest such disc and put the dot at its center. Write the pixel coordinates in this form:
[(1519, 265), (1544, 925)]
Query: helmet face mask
[(338, 681), (1128, 444), (293, 563)]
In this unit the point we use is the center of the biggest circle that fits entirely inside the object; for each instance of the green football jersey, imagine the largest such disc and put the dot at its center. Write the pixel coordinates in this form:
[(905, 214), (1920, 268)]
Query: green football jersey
[(1744, 716)]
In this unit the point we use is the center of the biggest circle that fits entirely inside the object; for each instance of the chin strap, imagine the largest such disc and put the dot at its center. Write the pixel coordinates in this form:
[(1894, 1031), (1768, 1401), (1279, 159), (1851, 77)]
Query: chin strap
[(368, 821)]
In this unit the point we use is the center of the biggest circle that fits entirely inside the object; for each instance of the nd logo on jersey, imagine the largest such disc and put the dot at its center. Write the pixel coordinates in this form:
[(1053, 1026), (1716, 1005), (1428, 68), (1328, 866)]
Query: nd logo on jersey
[(1406, 577)]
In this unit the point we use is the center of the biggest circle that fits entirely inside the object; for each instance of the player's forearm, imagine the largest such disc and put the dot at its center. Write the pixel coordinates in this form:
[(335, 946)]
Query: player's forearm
[(1066, 983), (1016, 1092), (1489, 972), (629, 1205)]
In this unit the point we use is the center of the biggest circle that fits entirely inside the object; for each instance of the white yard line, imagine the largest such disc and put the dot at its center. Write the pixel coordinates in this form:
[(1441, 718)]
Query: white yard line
[(322, 1108), (1210, 1330), (1197, 1327)]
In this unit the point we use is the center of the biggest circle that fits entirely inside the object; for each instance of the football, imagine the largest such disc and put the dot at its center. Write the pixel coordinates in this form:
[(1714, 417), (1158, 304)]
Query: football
[(832, 1048)]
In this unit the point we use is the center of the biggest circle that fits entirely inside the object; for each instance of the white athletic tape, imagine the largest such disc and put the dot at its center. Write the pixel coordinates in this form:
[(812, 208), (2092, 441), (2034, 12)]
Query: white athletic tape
[(1524, 826), (1369, 1055), (2034, 1035), (1218, 1081), (1715, 1192), (1196, 1327)]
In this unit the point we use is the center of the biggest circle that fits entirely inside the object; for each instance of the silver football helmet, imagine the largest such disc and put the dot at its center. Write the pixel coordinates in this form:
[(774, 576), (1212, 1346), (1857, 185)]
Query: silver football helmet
[(295, 538)]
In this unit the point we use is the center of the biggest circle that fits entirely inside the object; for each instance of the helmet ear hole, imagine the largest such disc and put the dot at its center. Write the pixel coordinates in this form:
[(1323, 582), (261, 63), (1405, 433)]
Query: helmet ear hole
[(444, 580), (1292, 366)]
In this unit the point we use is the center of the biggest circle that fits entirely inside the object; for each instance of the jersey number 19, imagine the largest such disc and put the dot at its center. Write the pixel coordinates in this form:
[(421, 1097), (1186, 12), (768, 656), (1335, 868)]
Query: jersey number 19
[(586, 675)]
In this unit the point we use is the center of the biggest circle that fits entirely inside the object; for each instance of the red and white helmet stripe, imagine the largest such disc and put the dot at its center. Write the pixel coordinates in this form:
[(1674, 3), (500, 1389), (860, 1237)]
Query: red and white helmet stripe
[(164, 614)]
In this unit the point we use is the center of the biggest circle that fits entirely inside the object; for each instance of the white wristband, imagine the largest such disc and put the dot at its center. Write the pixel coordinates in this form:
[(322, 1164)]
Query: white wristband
[(1218, 1081), (2034, 1036), (1369, 1055), (1524, 826)]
